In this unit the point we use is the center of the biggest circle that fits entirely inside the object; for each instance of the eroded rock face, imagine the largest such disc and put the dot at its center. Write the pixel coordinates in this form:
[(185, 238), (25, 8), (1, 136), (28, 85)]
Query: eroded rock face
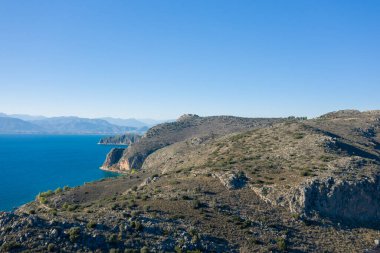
[(232, 180), (113, 158), (357, 201), (125, 139)]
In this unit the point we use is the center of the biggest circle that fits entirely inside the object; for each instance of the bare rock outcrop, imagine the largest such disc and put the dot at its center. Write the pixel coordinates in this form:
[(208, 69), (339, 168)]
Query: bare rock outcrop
[(113, 157), (124, 139), (232, 180), (353, 201)]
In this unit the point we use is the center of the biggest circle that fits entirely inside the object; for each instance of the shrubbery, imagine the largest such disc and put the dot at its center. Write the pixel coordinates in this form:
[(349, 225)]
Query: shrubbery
[(74, 234)]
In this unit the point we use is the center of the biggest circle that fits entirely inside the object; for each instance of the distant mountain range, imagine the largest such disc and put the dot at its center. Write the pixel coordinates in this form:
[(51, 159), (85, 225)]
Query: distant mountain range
[(27, 124), (12, 125), (135, 122)]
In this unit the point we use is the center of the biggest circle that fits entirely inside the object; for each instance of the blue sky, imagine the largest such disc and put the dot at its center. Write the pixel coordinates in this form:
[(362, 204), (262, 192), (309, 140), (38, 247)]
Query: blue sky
[(160, 59)]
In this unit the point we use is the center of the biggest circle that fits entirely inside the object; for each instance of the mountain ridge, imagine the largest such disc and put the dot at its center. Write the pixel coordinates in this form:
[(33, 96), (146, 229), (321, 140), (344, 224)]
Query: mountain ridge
[(62, 125)]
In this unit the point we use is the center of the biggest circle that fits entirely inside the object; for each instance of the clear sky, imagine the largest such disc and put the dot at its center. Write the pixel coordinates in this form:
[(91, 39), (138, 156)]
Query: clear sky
[(160, 59)]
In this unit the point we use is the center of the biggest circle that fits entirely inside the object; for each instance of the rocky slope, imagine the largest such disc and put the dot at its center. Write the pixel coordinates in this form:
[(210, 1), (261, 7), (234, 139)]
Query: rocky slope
[(292, 164), (124, 139), (284, 186), (187, 126)]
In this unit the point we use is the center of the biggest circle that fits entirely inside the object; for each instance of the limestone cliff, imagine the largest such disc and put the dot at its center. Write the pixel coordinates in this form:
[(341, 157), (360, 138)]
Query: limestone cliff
[(355, 202), (112, 158)]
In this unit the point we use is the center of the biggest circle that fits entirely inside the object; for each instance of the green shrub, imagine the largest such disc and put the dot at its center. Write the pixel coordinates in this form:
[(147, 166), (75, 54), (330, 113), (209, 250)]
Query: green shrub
[(46, 194), (130, 251), (146, 208), (65, 205), (42, 200), (58, 190), (296, 216), (91, 224), (305, 173), (8, 246), (195, 204), (298, 135), (144, 250), (185, 197), (71, 208), (51, 247), (66, 188), (178, 249), (53, 211), (194, 239), (137, 225), (74, 234), (281, 244), (112, 239)]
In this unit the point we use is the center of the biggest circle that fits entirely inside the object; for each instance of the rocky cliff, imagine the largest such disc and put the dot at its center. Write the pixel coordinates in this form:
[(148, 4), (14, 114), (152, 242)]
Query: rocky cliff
[(353, 202), (113, 157), (124, 139)]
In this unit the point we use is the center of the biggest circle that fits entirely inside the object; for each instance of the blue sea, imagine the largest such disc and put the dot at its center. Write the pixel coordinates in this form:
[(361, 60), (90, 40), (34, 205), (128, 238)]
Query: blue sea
[(30, 164)]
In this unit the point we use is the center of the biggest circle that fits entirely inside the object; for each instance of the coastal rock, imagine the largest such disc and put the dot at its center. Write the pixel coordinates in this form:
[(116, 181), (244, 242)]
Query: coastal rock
[(125, 139), (113, 158)]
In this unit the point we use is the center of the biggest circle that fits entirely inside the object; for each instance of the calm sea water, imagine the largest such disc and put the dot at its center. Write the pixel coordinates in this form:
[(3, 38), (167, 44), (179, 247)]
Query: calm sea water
[(30, 164)]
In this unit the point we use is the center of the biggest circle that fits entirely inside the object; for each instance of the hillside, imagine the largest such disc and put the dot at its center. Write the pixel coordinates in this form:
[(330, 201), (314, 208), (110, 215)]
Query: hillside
[(187, 126), (123, 139), (222, 184)]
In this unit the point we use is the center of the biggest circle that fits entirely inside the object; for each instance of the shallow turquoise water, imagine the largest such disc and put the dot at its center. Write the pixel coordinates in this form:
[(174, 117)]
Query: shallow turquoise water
[(30, 164)]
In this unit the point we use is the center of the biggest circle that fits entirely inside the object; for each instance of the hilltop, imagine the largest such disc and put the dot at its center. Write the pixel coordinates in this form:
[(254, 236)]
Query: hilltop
[(222, 184)]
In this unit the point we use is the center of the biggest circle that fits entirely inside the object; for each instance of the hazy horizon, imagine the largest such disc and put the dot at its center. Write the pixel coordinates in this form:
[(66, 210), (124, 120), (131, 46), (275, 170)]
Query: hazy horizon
[(161, 59), (167, 119)]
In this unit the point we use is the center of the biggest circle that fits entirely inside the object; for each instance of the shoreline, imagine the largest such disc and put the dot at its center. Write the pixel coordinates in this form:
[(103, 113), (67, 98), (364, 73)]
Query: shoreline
[(14, 209), (113, 144), (112, 170)]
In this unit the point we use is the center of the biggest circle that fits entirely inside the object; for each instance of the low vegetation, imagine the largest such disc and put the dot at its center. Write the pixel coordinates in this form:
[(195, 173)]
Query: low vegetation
[(217, 193)]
